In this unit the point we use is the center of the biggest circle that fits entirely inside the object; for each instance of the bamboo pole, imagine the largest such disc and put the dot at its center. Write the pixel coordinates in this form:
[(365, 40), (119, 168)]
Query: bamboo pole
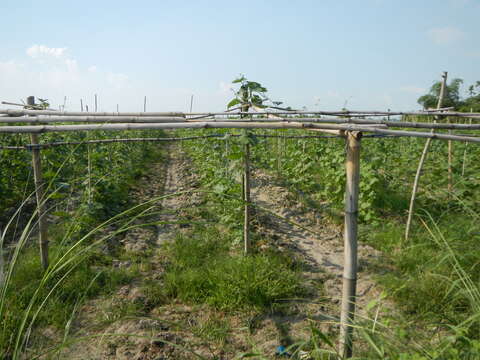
[(246, 191), (465, 156), (229, 125), (421, 162), (145, 104), (94, 119), (450, 159), (23, 112), (144, 119), (352, 167), (39, 193), (350, 113)]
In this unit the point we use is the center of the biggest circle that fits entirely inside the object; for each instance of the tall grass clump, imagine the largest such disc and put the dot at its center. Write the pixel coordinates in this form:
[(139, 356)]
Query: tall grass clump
[(202, 269)]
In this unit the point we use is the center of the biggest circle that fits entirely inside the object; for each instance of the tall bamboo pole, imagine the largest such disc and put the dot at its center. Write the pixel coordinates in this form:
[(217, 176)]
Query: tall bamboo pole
[(39, 193), (246, 192), (352, 167), (450, 160), (465, 154), (422, 161)]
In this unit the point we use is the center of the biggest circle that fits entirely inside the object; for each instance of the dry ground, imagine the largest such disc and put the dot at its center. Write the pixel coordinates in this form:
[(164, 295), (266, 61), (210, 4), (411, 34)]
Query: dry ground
[(163, 331)]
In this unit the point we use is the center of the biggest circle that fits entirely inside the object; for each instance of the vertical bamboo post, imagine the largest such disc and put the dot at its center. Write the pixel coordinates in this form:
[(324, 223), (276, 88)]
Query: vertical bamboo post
[(465, 152), (81, 105), (246, 193), (37, 174), (96, 104), (352, 188), (145, 103), (422, 161), (450, 159)]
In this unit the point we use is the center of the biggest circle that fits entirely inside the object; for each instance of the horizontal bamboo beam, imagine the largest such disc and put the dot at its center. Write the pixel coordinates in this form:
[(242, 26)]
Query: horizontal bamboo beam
[(425, 135), (37, 129), (160, 119), (23, 112), (351, 113), (38, 107), (278, 118), (93, 119)]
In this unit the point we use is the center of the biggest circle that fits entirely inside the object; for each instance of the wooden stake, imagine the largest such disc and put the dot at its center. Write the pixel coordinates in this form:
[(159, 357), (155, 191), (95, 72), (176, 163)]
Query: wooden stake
[(246, 192), (421, 162), (352, 167), (246, 199), (465, 154), (37, 173), (450, 159)]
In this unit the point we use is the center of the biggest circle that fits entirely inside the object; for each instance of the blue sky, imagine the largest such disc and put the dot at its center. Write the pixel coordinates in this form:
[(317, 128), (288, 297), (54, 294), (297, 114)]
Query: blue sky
[(369, 54)]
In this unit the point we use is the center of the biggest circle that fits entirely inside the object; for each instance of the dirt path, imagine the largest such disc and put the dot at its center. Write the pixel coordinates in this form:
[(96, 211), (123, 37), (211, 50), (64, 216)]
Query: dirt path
[(111, 325), (321, 248)]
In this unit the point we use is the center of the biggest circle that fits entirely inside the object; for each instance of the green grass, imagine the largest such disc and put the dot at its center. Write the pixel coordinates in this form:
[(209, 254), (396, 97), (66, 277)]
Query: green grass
[(202, 269)]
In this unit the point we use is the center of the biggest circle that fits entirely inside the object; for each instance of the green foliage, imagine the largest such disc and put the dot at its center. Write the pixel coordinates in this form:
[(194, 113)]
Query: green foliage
[(201, 270), (93, 178), (453, 97), (251, 93), (79, 200)]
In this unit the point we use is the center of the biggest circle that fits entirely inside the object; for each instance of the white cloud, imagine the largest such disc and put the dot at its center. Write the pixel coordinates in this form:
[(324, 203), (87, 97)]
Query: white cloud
[(445, 35), (413, 89), (38, 51), (53, 73)]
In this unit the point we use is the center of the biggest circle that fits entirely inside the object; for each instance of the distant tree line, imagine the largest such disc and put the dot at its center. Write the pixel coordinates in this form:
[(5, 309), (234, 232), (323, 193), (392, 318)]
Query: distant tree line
[(453, 98)]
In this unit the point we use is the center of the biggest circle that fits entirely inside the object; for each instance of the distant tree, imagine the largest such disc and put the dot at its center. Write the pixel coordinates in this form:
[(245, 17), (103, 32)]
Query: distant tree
[(472, 103), (452, 95)]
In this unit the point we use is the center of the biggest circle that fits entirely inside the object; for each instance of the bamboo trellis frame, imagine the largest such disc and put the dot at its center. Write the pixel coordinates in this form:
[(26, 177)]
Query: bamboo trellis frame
[(349, 125)]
